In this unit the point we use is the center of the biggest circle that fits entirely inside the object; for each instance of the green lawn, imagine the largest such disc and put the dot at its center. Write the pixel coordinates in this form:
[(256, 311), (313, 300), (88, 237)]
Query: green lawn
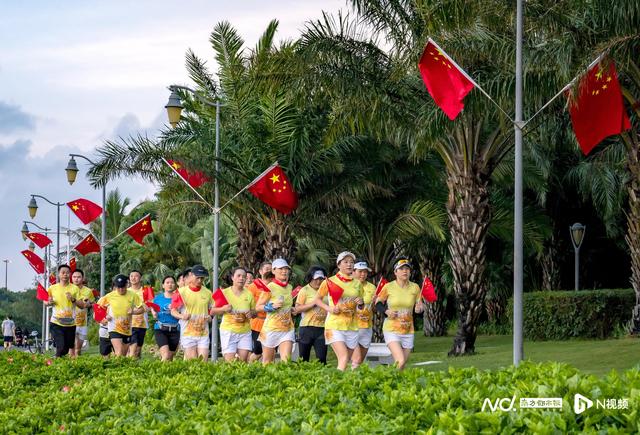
[(494, 351)]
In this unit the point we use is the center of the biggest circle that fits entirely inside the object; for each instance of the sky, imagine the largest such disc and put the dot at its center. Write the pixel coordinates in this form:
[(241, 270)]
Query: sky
[(76, 73)]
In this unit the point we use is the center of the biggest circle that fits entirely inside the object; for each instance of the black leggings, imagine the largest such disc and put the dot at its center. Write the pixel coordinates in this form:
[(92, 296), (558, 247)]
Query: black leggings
[(64, 338), (312, 336)]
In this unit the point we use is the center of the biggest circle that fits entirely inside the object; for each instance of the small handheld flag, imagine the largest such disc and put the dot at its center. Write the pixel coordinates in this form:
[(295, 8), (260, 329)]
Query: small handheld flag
[(428, 291), (99, 313), (219, 299), (335, 291), (41, 293), (381, 284), (148, 294), (295, 291), (261, 285), (154, 307)]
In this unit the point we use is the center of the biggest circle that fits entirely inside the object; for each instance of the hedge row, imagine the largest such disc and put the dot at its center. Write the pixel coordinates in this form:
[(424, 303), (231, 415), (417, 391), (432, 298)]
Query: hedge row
[(123, 396), (560, 315)]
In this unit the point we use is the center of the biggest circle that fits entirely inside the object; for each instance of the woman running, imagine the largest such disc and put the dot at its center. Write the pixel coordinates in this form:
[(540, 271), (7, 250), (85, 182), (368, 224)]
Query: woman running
[(166, 330), (313, 317), (278, 330), (235, 331), (399, 299), (344, 295), (363, 314)]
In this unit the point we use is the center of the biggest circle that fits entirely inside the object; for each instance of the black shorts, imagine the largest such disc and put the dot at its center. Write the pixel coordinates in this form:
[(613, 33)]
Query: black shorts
[(309, 334), (257, 346), (167, 338), (8, 338), (105, 346), (137, 336), (126, 339)]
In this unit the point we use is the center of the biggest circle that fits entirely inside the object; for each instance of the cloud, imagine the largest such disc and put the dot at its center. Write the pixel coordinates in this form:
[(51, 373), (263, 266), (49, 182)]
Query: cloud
[(13, 119), (128, 124)]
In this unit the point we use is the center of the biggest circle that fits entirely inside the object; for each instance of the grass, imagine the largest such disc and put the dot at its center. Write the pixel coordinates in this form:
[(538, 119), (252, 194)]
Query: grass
[(597, 357)]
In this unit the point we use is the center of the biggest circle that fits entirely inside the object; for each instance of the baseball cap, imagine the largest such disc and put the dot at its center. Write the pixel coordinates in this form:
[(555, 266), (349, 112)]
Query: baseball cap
[(279, 263), (120, 281), (401, 263), (361, 265), (199, 270), (318, 274), (343, 255)]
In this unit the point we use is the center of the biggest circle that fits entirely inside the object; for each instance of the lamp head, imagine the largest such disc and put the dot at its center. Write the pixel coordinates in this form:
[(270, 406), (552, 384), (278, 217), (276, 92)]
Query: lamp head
[(32, 247), (33, 207), (174, 108), (24, 231), (577, 234), (72, 170)]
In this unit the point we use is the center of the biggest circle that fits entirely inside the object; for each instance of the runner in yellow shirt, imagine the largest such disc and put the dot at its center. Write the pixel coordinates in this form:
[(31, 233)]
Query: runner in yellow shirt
[(85, 299), (235, 331), (121, 305), (63, 296), (192, 304), (341, 326), (402, 298), (311, 330), (278, 329), (364, 314), (139, 322)]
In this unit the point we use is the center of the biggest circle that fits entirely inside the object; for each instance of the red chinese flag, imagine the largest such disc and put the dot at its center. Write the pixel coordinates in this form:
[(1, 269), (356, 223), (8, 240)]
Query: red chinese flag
[(274, 189), (447, 84), (88, 245), (36, 262), (99, 313), (195, 179), (381, 284), (96, 293), (176, 301), (219, 299), (72, 264), (86, 210), (295, 291), (140, 229), (41, 293), (335, 291), (428, 291), (148, 294), (261, 285), (154, 307), (598, 111), (39, 239), (52, 279)]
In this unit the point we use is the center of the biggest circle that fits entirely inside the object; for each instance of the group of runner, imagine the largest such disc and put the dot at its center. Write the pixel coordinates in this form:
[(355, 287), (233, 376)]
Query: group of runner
[(257, 315)]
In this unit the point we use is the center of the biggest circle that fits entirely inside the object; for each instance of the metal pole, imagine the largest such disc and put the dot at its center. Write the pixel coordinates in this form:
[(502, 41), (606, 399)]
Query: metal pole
[(103, 240), (6, 273), (47, 250), (577, 267), (68, 235), (58, 237), (216, 235), (518, 221)]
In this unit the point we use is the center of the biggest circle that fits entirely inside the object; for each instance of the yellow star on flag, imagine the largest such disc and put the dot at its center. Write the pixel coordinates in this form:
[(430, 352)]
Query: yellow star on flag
[(75, 207), (275, 178), (176, 165)]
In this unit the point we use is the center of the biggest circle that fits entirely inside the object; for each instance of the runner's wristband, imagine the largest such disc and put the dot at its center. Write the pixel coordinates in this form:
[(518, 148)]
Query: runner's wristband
[(268, 307)]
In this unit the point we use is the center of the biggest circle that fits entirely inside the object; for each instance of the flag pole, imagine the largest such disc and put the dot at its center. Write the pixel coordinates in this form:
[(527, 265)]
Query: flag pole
[(189, 185), (248, 185), (148, 215), (468, 77)]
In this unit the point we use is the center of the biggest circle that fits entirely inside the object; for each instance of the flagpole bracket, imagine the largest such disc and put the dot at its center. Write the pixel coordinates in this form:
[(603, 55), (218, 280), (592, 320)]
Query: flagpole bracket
[(520, 124)]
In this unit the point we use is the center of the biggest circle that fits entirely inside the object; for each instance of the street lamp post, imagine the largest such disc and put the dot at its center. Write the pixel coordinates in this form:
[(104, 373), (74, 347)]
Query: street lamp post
[(174, 109), (33, 209), (72, 172), (6, 272), (577, 231)]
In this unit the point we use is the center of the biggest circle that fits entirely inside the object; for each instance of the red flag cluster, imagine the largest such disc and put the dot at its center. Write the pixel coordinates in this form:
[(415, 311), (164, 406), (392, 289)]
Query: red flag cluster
[(39, 239), (85, 210), (140, 229), (36, 262), (88, 245), (194, 179), (274, 189)]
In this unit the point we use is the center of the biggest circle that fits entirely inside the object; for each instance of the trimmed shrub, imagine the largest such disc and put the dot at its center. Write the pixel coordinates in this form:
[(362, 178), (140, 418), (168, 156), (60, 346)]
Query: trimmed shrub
[(560, 315)]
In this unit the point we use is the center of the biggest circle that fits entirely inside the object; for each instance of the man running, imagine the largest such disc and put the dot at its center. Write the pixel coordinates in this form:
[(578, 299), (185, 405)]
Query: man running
[(8, 332), (139, 322), (85, 299), (63, 296), (256, 323)]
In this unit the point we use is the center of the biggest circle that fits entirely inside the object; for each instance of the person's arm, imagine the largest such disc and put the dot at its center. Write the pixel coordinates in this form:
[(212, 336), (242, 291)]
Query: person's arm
[(264, 303), (322, 292), (419, 306), (222, 310), (301, 306)]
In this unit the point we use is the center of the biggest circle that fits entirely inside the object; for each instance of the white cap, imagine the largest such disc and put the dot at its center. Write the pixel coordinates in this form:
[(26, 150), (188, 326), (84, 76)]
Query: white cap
[(318, 274), (343, 255), (401, 263), (362, 265), (279, 263)]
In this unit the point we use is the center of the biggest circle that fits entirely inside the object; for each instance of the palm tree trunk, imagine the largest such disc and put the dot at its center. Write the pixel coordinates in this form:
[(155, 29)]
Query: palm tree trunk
[(469, 217), (434, 312), (250, 253), (550, 269), (278, 240), (633, 223)]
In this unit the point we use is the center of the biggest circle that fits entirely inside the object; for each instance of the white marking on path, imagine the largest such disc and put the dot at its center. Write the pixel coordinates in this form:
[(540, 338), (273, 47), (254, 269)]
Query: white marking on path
[(426, 363)]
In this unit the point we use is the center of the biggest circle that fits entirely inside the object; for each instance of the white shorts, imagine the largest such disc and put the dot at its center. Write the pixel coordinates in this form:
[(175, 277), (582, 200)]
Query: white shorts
[(349, 338), (364, 337), (230, 342), (273, 339), (188, 342), (81, 332), (406, 340)]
